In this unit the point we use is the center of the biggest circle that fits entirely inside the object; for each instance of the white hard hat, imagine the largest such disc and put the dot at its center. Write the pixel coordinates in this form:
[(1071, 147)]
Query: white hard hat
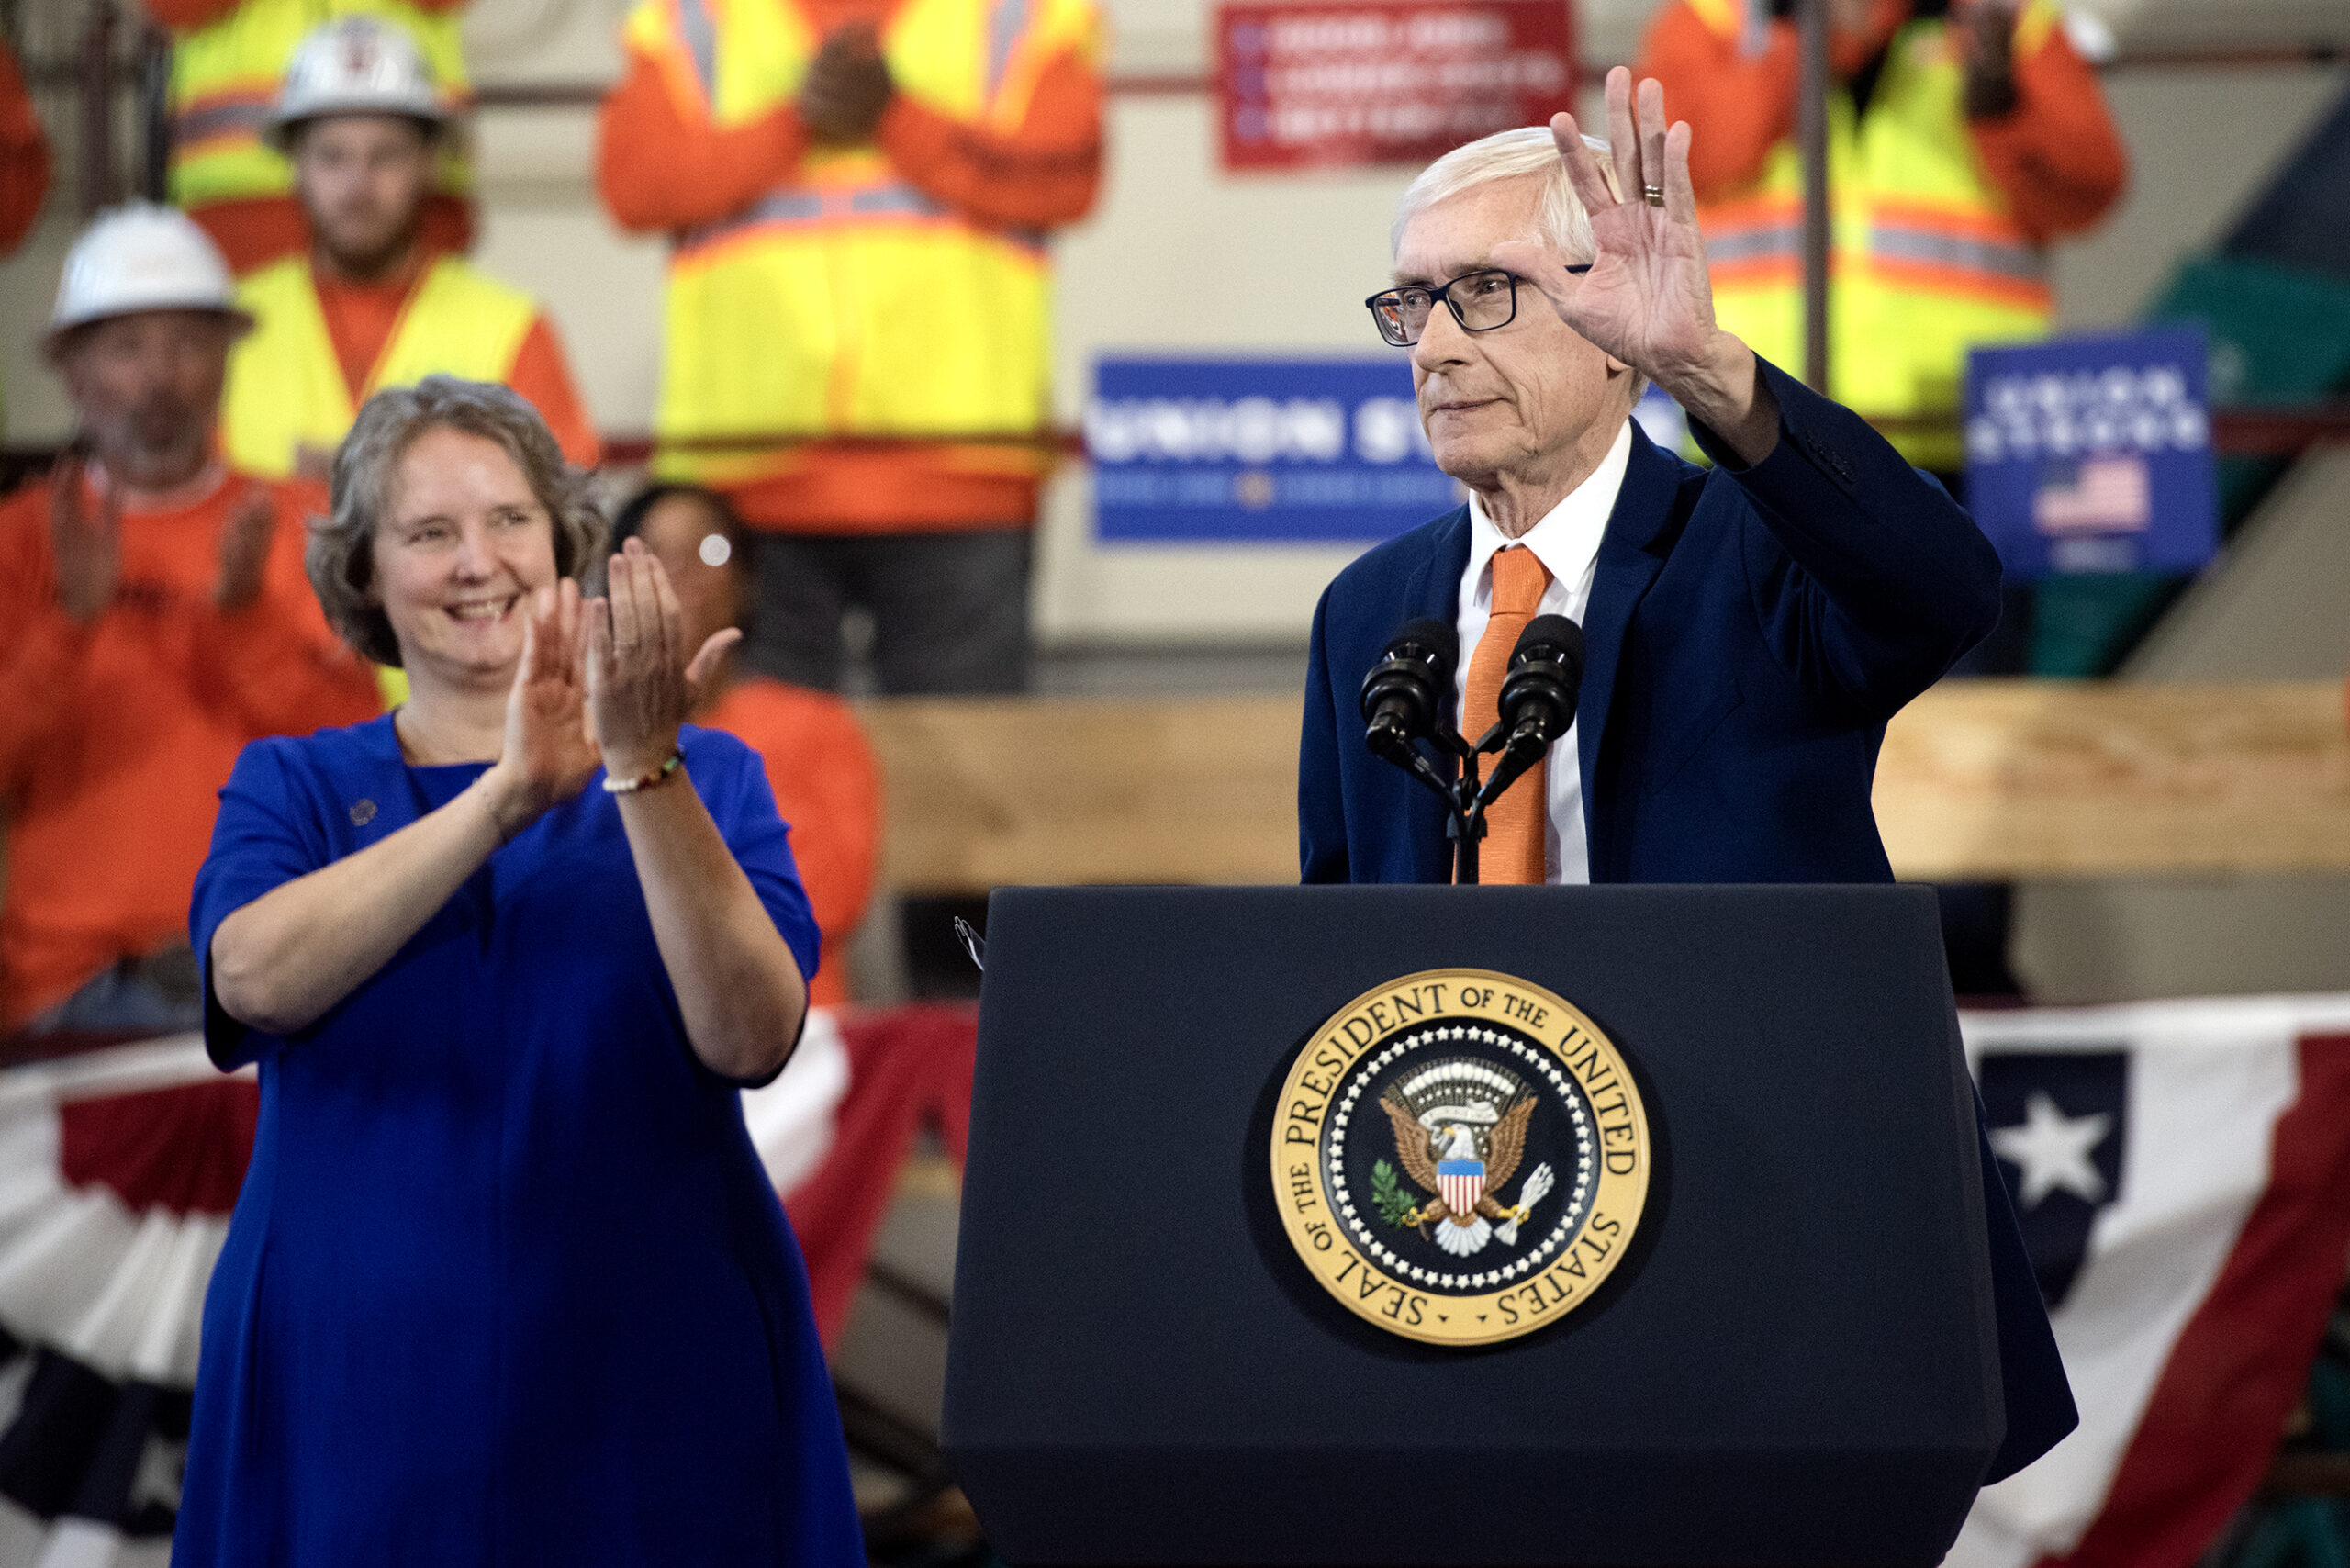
[(356, 65), (142, 257)]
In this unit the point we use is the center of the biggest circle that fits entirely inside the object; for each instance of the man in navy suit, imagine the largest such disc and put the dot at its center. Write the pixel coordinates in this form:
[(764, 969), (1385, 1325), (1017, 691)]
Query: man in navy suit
[(1749, 629)]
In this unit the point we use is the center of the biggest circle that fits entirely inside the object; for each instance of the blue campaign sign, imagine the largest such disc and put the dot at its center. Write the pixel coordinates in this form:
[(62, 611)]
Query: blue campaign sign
[(2093, 454), (1282, 451)]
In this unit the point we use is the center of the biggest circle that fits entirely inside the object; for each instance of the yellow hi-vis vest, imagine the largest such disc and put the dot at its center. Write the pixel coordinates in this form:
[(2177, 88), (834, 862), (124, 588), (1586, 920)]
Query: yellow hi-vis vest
[(1924, 260), (844, 301), (285, 387), (225, 78)]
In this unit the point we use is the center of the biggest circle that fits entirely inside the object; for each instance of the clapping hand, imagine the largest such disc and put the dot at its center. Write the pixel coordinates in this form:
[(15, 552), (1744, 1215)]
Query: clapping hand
[(846, 87), (87, 550), (641, 686), (244, 553), (1647, 300), (1986, 33), (548, 756)]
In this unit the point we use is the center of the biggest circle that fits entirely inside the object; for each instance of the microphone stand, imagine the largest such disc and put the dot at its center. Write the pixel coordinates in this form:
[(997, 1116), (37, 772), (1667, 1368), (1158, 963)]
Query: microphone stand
[(1465, 800)]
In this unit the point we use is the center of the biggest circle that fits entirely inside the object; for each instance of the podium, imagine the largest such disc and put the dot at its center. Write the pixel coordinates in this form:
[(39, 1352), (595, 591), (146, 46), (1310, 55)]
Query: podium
[(1791, 1360)]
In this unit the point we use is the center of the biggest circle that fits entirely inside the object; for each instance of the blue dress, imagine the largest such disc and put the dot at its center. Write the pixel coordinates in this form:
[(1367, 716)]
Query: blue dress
[(505, 1283)]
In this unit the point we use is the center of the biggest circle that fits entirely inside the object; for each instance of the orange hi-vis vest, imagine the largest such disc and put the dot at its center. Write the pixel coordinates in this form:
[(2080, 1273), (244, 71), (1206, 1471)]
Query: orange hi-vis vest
[(845, 301), (225, 80), (1925, 260)]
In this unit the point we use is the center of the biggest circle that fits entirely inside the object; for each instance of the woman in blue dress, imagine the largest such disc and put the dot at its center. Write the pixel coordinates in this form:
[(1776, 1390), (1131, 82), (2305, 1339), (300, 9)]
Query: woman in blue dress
[(505, 1283)]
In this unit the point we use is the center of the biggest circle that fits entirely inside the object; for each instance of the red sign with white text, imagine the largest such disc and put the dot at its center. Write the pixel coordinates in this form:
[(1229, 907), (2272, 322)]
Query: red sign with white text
[(1319, 85)]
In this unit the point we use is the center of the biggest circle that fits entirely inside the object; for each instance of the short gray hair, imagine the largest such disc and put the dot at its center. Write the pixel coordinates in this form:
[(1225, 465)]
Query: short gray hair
[(341, 555), (1509, 156), (1528, 152)]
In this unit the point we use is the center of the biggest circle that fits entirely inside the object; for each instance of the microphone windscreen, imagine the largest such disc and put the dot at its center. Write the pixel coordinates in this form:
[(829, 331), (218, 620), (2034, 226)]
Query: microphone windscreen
[(1557, 637), (1441, 638)]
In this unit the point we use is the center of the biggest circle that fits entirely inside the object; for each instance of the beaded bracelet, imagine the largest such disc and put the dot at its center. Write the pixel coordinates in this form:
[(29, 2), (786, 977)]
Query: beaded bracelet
[(658, 776)]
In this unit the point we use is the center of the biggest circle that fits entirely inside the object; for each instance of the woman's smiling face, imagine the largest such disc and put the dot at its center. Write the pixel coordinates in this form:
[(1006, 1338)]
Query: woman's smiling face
[(461, 544)]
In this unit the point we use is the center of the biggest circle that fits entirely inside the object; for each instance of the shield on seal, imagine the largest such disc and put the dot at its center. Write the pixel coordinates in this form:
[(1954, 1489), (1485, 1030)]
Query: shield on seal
[(1460, 1183)]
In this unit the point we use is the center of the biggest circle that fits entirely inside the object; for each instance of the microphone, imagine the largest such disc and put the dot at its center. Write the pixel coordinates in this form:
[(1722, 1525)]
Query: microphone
[(1405, 689), (1538, 699), (1539, 694)]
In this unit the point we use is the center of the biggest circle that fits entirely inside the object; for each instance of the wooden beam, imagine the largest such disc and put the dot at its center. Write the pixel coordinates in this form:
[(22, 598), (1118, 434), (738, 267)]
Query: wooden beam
[(1990, 780), (1978, 780), (983, 792)]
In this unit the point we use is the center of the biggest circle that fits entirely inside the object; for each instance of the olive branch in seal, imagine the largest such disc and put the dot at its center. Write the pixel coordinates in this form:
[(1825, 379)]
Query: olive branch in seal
[(1396, 1206)]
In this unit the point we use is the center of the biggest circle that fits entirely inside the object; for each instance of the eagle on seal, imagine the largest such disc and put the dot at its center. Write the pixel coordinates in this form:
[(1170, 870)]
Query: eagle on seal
[(1446, 1161)]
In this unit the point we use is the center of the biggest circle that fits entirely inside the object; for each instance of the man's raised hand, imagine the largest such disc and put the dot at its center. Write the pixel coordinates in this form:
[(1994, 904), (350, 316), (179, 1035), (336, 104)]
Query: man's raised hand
[(1647, 300)]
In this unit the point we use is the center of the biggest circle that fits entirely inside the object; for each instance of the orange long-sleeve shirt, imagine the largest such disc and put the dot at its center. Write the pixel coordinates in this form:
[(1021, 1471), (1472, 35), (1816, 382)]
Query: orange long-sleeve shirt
[(24, 157), (661, 165), (362, 317), (253, 231), (116, 736), (2056, 156), (828, 788)]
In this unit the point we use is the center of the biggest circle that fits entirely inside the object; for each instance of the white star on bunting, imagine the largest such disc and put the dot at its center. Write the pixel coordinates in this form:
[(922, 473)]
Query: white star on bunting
[(2053, 1151)]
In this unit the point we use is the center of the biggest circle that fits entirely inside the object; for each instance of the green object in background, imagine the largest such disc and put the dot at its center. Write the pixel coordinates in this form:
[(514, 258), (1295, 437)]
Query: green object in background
[(2279, 336), (2083, 624)]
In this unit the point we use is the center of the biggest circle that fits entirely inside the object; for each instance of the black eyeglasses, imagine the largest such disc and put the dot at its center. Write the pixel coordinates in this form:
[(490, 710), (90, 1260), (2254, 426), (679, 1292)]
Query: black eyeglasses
[(1485, 300)]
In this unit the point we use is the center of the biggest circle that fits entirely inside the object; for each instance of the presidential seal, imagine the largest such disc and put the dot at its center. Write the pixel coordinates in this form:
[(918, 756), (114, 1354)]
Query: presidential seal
[(1460, 1157)]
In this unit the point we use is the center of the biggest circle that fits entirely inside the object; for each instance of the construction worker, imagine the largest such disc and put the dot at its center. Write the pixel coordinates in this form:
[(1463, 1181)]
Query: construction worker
[(154, 617), (227, 57), (858, 297), (370, 304), (1964, 136)]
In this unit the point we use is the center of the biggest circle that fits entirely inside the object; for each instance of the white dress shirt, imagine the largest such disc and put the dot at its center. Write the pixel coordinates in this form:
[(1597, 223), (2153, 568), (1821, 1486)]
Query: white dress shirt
[(1567, 544)]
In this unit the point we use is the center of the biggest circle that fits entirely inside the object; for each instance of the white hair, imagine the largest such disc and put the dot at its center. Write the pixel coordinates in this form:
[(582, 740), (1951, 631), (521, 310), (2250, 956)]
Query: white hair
[(1525, 153)]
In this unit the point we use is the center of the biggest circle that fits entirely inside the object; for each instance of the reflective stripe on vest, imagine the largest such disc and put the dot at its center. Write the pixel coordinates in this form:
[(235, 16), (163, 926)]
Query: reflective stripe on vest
[(804, 208), (285, 386), (225, 78), (878, 310), (1924, 259)]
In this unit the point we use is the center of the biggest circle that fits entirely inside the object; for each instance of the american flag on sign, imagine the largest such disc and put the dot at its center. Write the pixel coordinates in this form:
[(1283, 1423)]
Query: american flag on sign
[(1460, 1183), (2096, 495), (2181, 1172)]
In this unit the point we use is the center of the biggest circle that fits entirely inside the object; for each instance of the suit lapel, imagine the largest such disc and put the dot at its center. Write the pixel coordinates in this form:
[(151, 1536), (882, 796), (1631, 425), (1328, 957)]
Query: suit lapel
[(1630, 555), (1433, 589)]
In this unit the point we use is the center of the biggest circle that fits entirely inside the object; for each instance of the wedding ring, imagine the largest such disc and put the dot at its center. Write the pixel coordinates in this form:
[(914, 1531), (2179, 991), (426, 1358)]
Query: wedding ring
[(1655, 195)]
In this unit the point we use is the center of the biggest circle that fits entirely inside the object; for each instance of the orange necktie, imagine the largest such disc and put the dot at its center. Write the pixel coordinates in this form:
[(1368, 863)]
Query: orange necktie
[(1512, 851)]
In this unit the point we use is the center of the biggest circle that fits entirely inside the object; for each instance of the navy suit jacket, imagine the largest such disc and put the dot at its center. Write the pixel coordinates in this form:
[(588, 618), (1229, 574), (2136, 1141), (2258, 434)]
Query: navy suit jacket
[(1749, 631)]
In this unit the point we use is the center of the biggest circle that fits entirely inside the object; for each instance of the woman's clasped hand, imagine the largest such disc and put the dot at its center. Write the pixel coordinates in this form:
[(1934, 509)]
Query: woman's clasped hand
[(603, 682)]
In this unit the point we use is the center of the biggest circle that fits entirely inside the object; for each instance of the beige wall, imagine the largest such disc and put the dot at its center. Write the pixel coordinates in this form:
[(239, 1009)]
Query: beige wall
[(2202, 143)]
